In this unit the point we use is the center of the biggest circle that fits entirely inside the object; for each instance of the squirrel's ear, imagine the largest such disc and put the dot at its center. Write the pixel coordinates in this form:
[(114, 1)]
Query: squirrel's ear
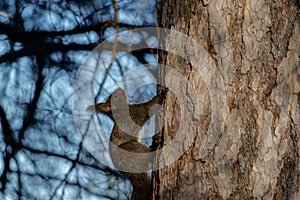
[(119, 90)]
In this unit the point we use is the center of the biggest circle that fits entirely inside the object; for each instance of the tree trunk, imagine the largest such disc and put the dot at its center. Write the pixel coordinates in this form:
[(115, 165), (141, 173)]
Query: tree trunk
[(255, 46)]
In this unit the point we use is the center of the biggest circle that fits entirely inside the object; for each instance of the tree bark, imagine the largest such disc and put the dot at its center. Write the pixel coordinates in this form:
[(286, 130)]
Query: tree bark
[(256, 48)]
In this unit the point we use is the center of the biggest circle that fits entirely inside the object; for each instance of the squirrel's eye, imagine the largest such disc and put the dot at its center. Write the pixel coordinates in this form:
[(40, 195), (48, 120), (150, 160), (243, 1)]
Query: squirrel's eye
[(116, 96)]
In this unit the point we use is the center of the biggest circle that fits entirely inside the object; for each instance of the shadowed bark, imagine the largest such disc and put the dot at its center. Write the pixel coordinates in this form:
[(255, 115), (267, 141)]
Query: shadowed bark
[(256, 48)]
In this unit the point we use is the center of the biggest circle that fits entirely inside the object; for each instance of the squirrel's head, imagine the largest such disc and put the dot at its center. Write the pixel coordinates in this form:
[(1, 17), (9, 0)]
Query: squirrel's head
[(117, 100)]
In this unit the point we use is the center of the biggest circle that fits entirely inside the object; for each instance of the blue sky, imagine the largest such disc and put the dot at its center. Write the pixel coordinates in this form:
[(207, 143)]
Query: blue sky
[(45, 156)]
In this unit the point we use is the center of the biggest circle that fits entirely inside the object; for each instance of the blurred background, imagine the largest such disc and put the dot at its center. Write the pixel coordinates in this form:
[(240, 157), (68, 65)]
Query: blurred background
[(42, 46)]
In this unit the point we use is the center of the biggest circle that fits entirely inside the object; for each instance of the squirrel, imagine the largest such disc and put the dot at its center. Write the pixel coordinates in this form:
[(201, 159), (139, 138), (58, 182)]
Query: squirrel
[(130, 118)]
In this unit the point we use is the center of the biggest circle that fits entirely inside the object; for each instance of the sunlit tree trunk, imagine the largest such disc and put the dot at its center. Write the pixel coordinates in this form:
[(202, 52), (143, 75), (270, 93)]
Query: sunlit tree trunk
[(256, 48)]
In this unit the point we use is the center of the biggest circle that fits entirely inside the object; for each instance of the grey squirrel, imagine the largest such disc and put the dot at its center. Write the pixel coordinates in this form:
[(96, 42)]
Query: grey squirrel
[(130, 118)]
